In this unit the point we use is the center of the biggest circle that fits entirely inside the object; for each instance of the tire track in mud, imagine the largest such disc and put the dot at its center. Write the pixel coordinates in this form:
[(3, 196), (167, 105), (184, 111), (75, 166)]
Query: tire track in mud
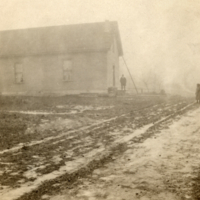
[(105, 153), (69, 133), (99, 160), (21, 152), (74, 134)]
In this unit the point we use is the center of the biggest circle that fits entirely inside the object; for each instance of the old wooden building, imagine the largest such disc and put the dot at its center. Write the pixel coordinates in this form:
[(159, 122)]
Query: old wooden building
[(64, 59)]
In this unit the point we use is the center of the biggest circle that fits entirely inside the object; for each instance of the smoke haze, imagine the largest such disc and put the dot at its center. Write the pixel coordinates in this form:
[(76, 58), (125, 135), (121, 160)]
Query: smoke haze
[(161, 39)]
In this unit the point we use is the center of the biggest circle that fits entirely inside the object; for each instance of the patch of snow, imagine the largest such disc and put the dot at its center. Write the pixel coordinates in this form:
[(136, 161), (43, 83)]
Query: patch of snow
[(45, 196), (56, 159), (32, 143), (12, 194), (134, 134), (5, 163), (109, 178), (60, 197), (34, 112), (14, 173), (32, 172), (74, 110)]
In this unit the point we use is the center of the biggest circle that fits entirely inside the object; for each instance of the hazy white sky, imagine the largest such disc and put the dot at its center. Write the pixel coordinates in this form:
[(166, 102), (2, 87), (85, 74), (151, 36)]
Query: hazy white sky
[(161, 36)]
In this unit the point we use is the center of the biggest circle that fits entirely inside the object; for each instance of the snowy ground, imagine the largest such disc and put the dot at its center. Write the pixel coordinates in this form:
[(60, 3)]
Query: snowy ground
[(162, 167), (55, 152), (67, 110)]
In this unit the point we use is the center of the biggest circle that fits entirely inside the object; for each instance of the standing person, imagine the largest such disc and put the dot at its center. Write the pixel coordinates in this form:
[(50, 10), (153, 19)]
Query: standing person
[(123, 82), (198, 93)]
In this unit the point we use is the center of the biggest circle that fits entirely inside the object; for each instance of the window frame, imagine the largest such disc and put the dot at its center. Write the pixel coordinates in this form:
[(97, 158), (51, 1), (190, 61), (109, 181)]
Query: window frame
[(18, 72), (67, 71)]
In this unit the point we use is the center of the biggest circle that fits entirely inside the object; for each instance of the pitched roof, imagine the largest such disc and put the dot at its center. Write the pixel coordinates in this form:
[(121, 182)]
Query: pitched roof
[(59, 39)]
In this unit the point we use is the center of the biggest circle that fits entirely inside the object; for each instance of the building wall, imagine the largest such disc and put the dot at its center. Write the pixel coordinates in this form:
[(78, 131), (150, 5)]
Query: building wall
[(44, 74), (113, 60)]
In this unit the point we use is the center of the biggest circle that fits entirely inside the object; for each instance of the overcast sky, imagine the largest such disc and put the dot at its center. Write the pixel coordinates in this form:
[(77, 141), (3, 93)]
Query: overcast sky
[(161, 36)]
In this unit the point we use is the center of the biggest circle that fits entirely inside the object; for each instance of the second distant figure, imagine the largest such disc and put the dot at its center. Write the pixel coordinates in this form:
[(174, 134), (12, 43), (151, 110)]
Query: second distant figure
[(123, 82), (198, 93)]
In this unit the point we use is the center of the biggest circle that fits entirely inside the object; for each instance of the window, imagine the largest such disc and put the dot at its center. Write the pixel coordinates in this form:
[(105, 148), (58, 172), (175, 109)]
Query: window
[(18, 73), (67, 70), (113, 48)]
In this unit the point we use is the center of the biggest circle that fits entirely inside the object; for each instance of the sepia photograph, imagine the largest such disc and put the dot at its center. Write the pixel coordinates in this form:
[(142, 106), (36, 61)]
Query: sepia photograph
[(100, 100)]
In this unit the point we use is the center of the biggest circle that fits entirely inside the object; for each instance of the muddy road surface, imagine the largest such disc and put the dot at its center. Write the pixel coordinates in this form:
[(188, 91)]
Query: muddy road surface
[(130, 148)]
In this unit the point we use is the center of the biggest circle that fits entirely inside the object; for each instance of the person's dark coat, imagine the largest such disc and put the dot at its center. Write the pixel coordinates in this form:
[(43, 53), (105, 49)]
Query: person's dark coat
[(198, 93), (123, 81)]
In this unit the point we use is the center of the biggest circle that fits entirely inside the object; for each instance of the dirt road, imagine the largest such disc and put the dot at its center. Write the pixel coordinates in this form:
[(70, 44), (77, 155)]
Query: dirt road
[(52, 153), (165, 166)]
